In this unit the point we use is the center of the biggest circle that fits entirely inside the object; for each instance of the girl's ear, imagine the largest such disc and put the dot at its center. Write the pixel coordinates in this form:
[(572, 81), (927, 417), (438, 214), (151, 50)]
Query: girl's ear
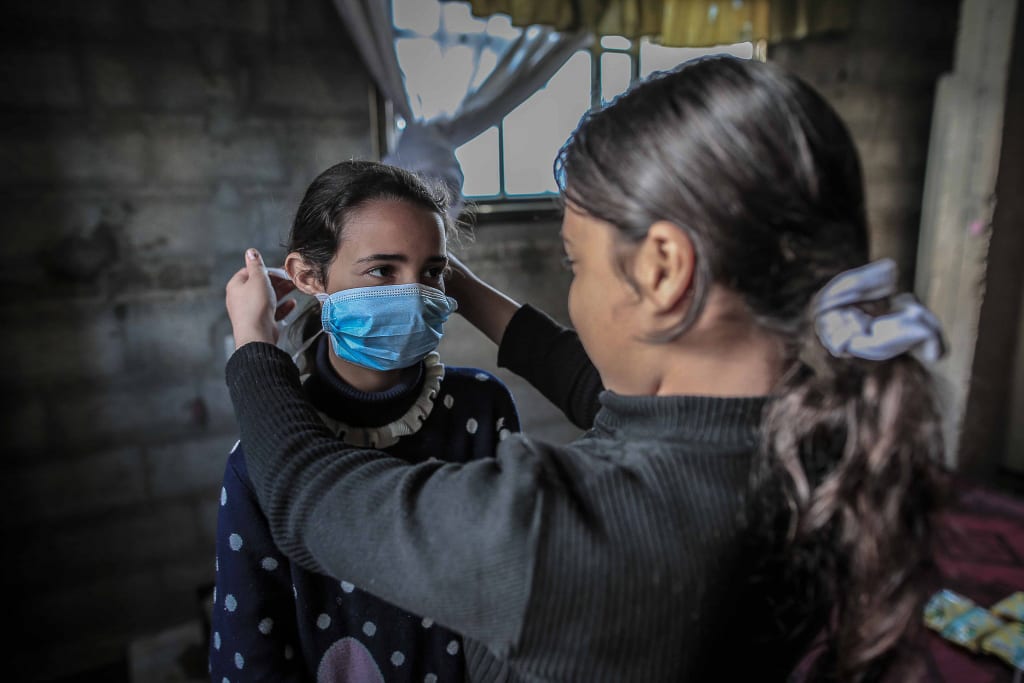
[(664, 269), (303, 274)]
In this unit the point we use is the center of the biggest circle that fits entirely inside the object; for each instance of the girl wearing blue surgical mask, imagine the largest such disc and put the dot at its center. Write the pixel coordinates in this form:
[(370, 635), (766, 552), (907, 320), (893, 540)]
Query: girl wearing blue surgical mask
[(369, 243)]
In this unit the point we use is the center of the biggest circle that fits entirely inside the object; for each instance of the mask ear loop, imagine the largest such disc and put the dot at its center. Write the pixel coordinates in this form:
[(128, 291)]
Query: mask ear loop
[(305, 345), (322, 298), (283, 274)]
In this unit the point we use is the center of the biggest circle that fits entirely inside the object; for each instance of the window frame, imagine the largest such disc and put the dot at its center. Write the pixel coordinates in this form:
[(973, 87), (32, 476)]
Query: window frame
[(502, 207)]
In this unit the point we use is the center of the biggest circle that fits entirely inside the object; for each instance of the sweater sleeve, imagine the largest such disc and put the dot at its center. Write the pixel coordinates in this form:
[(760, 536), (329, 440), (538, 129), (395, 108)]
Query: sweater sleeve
[(551, 358), (455, 541)]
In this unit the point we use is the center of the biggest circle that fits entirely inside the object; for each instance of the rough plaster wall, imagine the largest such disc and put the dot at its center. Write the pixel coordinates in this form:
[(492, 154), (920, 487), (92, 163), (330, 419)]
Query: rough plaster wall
[(142, 146)]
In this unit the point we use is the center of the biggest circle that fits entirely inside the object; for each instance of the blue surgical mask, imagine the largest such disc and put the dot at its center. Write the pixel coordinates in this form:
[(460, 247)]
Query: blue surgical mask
[(387, 327)]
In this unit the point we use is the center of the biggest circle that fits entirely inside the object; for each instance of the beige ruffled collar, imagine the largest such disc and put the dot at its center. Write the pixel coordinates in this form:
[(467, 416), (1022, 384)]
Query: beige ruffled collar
[(409, 423)]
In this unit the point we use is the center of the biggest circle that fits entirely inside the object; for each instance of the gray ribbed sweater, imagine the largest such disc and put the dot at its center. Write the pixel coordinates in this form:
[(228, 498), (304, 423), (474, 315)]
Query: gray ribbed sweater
[(624, 556)]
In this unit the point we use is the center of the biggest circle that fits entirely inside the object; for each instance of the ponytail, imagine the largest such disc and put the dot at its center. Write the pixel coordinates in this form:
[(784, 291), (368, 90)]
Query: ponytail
[(855, 445)]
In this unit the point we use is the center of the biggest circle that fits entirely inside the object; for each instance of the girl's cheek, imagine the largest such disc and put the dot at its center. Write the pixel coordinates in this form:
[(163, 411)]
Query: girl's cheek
[(572, 305)]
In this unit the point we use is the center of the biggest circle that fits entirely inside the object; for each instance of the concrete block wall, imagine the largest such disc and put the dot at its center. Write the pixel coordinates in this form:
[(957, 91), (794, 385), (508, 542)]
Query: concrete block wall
[(881, 76), (142, 147)]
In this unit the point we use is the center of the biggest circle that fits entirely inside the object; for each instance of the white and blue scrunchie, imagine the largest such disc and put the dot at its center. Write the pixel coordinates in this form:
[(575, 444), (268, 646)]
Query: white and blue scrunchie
[(847, 331)]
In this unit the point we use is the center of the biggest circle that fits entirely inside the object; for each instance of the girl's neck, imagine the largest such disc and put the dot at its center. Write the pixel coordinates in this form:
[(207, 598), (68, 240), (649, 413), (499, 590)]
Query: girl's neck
[(365, 379), (749, 367), (725, 354)]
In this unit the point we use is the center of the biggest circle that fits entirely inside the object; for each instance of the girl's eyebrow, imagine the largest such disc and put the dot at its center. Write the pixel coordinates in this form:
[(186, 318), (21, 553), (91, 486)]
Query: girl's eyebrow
[(401, 258)]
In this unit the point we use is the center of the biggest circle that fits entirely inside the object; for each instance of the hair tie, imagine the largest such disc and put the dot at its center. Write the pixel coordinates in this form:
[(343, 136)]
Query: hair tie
[(845, 330)]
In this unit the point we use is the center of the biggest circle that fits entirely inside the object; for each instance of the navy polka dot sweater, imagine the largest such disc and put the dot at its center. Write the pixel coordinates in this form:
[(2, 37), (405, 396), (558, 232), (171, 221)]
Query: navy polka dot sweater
[(275, 621)]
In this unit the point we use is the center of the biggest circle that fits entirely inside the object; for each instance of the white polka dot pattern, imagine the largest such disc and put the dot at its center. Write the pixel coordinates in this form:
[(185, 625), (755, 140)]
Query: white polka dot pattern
[(347, 587), (230, 603), (453, 647), (481, 377), (323, 622), (369, 628), (448, 401), (427, 622), (235, 541), (397, 658), (266, 626), (430, 678), (216, 640), (471, 426), (239, 661), (223, 496), (268, 563)]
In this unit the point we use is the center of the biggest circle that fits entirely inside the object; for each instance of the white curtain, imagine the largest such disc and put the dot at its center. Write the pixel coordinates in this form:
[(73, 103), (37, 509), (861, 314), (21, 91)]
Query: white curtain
[(428, 145)]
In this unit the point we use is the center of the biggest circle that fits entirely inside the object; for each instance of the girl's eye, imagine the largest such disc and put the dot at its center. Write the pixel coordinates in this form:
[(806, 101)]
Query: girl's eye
[(567, 263), (437, 273), (380, 271)]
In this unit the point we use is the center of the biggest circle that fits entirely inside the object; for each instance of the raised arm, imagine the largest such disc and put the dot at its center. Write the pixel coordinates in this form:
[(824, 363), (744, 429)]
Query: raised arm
[(486, 308), (532, 345)]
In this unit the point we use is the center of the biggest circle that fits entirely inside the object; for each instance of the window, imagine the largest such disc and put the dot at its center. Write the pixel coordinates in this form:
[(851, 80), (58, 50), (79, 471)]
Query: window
[(513, 160)]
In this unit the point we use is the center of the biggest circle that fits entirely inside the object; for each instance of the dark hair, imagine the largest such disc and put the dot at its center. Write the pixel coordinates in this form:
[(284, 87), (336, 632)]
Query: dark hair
[(763, 177), (331, 199)]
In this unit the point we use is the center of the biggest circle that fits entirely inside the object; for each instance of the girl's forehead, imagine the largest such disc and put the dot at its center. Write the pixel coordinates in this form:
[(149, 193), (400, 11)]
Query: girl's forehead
[(394, 222)]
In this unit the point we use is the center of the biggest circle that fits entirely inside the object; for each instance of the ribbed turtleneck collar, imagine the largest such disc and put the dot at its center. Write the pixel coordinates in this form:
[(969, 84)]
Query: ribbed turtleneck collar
[(697, 419), (338, 399)]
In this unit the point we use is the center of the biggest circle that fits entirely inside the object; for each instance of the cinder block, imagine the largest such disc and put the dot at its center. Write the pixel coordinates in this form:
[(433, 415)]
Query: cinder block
[(98, 160), (314, 146), (171, 335), (23, 424), (258, 219), (178, 227), (318, 22), (177, 82), (207, 509), (107, 608), (115, 81), (900, 193), (60, 342), (185, 154), (217, 401), (884, 157), (63, 488), (100, 18), (189, 466), (307, 85), (34, 77), (113, 544), (142, 411), (169, 15)]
